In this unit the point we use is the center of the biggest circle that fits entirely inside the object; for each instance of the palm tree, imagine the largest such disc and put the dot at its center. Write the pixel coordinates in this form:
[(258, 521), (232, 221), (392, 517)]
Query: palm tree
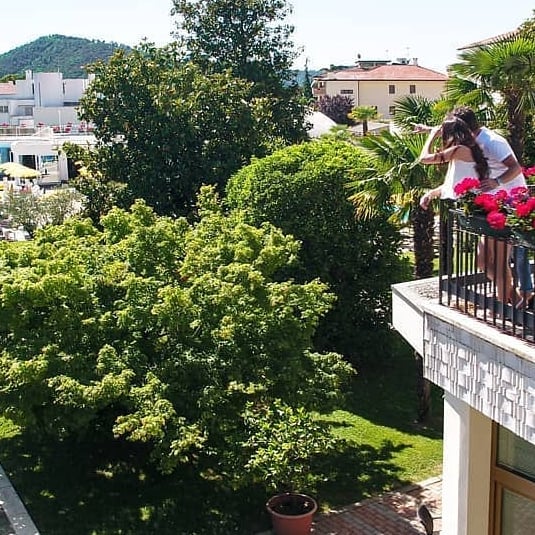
[(505, 68), (411, 109), (396, 181), (363, 114)]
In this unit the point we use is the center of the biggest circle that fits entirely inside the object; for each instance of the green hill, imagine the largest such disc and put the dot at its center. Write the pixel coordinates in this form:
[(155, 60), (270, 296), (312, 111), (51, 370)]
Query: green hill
[(54, 53)]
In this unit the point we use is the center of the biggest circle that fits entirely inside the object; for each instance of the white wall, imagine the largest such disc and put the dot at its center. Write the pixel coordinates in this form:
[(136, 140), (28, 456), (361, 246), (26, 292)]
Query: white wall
[(466, 469)]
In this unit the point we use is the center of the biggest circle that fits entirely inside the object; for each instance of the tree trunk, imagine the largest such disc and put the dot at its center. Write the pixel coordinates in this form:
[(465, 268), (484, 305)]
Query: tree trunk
[(423, 222), (423, 391)]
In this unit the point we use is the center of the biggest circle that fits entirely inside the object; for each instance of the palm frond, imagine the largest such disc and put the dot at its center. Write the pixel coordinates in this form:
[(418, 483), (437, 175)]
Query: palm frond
[(412, 109)]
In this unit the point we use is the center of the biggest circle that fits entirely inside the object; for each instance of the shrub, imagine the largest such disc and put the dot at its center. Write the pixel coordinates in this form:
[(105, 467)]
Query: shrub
[(337, 108), (167, 334), (301, 189)]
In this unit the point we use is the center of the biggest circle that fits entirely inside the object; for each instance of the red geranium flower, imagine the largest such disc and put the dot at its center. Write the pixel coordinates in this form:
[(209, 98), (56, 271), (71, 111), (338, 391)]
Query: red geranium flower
[(466, 185), (496, 220), (487, 201)]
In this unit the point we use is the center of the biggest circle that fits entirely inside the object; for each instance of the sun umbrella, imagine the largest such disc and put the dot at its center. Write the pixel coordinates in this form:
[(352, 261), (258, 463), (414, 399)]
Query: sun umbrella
[(17, 170)]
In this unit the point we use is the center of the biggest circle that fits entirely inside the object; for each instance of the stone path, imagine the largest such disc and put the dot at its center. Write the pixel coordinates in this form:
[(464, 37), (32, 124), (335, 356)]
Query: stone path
[(393, 513)]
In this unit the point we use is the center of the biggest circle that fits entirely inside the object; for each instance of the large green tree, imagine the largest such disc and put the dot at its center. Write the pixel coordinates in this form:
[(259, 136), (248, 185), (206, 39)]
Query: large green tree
[(164, 127), (252, 40), (180, 337)]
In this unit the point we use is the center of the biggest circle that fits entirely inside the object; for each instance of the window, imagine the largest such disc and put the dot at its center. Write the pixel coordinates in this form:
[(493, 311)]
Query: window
[(392, 110), (346, 91), (4, 109), (392, 89), (412, 89), (513, 484)]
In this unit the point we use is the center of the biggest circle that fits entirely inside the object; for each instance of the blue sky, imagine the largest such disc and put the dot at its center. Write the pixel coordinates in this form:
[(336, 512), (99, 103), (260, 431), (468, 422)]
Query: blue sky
[(329, 31)]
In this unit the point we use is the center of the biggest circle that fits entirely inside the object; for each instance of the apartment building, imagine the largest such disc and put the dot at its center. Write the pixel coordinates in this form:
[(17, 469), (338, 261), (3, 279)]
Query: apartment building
[(380, 83), (42, 99)]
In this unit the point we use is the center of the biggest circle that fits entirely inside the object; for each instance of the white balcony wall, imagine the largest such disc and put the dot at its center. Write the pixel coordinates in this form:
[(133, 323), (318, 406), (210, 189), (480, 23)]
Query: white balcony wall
[(48, 89)]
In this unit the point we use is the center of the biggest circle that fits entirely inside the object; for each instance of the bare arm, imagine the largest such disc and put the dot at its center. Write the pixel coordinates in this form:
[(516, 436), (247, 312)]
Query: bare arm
[(513, 170), (426, 199), (428, 156)]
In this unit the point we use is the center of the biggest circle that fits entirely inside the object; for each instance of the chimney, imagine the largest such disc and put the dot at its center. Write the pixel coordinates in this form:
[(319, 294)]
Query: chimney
[(415, 61)]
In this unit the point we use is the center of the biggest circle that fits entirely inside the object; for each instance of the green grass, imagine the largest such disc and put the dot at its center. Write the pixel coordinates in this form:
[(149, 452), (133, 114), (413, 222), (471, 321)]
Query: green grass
[(387, 448), (91, 488)]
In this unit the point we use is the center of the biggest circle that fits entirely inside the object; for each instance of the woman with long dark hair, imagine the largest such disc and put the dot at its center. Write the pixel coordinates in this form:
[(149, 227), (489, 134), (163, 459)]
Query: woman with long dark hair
[(465, 158)]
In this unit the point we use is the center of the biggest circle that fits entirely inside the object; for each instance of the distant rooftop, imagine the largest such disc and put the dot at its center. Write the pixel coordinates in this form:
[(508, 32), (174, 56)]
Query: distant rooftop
[(7, 88), (394, 71), (507, 36)]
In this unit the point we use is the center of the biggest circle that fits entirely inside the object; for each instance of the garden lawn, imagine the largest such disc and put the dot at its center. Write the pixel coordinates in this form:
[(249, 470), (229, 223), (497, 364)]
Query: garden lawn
[(91, 488), (387, 449)]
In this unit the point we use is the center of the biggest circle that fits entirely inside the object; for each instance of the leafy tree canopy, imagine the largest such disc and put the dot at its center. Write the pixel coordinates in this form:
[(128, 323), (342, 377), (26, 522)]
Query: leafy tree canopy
[(164, 333), (252, 40), (164, 127), (303, 190)]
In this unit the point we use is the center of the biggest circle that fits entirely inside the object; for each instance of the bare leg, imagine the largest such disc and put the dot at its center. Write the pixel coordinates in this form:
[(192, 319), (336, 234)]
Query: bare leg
[(493, 259)]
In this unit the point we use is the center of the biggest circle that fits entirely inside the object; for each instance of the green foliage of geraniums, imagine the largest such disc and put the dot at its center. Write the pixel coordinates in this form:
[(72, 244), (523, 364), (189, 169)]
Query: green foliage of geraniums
[(167, 334), (302, 190)]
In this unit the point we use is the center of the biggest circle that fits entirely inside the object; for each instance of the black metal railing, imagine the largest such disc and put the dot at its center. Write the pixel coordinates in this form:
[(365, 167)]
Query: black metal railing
[(486, 274)]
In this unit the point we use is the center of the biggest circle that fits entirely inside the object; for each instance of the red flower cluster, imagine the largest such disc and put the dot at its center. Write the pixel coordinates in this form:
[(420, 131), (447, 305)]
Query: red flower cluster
[(466, 185), (514, 209), (495, 206)]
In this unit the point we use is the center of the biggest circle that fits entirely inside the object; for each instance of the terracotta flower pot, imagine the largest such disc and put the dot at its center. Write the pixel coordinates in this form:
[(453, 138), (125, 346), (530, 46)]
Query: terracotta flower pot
[(291, 513)]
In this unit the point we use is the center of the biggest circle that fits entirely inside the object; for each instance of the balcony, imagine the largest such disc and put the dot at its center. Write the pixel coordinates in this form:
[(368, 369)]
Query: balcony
[(480, 349), (478, 264), (475, 346)]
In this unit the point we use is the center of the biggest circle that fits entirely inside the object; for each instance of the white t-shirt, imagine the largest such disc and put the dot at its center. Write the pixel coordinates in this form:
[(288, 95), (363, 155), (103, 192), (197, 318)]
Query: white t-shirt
[(496, 148)]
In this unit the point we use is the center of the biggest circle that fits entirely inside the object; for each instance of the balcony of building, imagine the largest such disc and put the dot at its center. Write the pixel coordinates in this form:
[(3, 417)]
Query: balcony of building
[(478, 346)]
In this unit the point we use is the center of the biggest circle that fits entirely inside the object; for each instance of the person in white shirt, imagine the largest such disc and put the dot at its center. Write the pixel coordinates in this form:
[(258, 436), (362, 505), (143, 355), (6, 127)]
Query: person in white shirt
[(466, 159)]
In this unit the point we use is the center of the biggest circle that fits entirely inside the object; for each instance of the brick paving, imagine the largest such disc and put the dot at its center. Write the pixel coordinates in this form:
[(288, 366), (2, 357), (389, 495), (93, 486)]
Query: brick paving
[(393, 513)]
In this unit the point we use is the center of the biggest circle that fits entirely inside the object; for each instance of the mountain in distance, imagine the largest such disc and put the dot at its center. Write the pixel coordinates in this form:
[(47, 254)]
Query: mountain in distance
[(68, 55), (56, 53)]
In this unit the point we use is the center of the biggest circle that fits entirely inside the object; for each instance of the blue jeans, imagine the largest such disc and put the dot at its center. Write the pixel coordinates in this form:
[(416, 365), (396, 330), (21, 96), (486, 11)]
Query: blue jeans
[(522, 269)]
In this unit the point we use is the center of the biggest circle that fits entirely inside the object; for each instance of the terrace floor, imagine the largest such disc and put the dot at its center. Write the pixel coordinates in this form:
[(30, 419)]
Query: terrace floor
[(393, 513)]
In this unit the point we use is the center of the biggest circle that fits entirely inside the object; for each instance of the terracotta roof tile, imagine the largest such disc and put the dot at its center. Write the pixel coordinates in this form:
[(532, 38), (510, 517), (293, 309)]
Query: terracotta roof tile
[(7, 88), (386, 72)]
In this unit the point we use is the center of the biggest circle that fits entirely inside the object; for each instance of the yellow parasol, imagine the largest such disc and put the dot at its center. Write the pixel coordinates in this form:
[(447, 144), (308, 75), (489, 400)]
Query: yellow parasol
[(17, 170)]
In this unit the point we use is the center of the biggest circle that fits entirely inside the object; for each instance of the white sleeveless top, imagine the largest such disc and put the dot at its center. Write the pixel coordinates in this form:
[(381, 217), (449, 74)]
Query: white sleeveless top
[(457, 170)]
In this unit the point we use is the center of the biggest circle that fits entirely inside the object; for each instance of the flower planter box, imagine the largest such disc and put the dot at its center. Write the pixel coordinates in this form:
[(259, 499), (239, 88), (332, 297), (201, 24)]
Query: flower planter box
[(525, 238), (478, 224)]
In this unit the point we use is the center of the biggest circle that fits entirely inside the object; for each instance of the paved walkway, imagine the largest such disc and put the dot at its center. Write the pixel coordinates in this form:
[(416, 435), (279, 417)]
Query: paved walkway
[(393, 513)]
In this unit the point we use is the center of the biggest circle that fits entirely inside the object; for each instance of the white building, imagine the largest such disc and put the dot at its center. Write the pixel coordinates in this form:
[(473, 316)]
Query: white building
[(42, 151), (42, 99)]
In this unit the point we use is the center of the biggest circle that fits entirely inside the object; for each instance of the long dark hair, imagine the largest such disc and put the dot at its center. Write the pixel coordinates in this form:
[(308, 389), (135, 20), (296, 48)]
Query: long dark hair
[(456, 132)]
